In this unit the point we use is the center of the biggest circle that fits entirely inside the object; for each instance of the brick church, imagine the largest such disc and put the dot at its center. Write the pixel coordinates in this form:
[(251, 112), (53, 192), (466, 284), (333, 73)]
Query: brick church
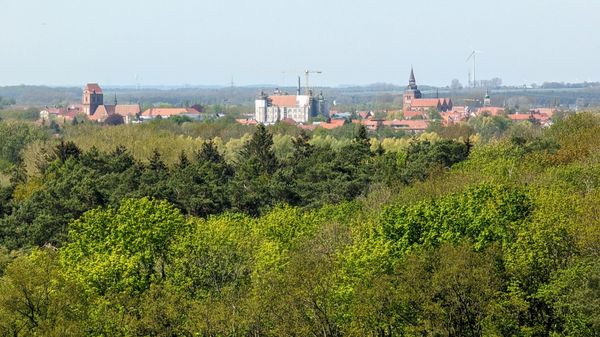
[(414, 105), (95, 109)]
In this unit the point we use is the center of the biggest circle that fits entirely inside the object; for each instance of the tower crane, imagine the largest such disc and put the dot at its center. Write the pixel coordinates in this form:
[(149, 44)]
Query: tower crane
[(307, 75)]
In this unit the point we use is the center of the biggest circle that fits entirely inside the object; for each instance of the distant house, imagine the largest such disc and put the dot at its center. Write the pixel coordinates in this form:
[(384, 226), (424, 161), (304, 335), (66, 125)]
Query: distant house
[(65, 114), (542, 119), (545, 111), (153, 113), (491, 110), (334, 123), (415, 126), (370, 124), (453, 117), (366, 114)]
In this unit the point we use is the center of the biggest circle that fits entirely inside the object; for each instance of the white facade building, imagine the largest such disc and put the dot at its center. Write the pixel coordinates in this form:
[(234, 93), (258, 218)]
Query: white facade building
[(274, 108)]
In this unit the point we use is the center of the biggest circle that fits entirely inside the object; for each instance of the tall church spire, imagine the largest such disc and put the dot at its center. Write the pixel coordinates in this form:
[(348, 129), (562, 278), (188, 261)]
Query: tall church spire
[(412, 83)]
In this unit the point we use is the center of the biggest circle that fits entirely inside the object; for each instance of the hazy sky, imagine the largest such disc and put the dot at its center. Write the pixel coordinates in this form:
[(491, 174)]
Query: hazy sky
[(202, 42)]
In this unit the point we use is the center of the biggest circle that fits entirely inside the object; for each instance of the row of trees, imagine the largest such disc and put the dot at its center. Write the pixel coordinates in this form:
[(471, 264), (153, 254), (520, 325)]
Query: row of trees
[(204, 183)]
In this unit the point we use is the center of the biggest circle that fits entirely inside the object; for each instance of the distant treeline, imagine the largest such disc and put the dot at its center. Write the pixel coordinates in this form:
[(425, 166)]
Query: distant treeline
[(379, 96), (562, 85)]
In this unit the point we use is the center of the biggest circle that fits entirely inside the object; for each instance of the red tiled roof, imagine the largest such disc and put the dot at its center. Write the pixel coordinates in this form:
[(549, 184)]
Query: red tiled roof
[(520, 117), (426, 102), (334, 123), (524, 117), (367, 122), (70, 114), (55, 111), (245, 121), (329, 125), (100, 114), (365, 114), (167, 112), (546, 111), (450, 117), (93, 87), (492, 110), (308, 126), (289, 121), (127, 109), (409, 124), (411, 114), (283, 100)]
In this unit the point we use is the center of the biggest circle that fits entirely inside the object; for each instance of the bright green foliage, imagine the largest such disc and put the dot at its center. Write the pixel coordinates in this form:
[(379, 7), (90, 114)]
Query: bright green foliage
[(214, 255), (14, 137), (490, 126), (124, 249), (484, 214), (446, 292), (35, 299), (574, 294)]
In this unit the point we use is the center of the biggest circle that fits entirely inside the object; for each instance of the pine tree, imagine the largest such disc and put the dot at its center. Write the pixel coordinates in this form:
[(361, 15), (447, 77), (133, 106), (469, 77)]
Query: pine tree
[(302, 148), (64, 150), (362, 136), (183, 160), (156, 163), (209, 153), (260, 149)]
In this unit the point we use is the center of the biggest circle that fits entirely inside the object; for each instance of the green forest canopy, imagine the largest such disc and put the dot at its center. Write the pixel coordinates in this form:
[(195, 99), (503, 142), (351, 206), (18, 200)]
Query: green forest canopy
[(445, 235)]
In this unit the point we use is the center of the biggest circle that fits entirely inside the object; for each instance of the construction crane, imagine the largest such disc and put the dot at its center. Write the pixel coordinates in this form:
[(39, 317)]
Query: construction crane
[(473, 83), (307, 75)]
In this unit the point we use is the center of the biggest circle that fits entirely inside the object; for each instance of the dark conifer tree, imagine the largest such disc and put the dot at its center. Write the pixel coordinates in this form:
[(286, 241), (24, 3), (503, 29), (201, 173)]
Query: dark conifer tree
[(260, 149), (183, 160), (65, 150), (209, 153), (302, 148)]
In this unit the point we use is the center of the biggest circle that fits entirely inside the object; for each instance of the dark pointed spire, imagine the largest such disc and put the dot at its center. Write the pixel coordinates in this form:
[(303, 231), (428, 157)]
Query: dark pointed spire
[(412, 80), (115, 98)]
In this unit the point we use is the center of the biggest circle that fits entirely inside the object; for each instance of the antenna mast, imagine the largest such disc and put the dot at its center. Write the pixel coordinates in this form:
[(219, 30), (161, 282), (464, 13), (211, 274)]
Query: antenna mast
[(473, 82)]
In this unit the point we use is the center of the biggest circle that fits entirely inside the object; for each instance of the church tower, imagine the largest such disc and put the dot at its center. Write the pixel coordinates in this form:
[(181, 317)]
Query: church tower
[(487, 101), (92, 98), (412, 91)]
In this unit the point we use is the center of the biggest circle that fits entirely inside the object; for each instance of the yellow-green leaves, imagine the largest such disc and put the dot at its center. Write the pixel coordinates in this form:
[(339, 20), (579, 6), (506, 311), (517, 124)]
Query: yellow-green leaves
[(123, 249)]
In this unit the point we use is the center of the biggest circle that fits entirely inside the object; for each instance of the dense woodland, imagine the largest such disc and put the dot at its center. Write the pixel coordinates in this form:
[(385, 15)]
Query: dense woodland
[(210, 229)]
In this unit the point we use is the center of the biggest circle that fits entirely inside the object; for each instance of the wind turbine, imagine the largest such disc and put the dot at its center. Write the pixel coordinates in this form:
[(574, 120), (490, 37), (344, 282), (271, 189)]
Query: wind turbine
[(474, 53)]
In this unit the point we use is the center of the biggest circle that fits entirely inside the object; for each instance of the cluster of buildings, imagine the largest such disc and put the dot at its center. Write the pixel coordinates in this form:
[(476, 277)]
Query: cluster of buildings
[(417, 107), (416, 114), (301, 109), (93, 108)]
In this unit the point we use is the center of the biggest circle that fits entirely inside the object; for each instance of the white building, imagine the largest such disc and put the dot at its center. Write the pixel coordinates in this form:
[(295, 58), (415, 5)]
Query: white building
[(274, 108)]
